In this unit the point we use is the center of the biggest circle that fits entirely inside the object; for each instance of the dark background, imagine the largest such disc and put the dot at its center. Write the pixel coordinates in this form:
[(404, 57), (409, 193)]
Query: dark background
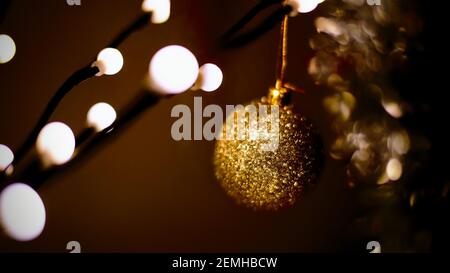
[(147, 192)]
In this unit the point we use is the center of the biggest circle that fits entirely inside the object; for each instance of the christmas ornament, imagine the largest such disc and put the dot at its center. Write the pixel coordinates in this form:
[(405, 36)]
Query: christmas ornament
[(268, 179)]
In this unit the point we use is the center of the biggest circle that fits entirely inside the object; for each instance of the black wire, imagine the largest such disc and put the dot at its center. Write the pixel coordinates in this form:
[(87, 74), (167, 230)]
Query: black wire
[(75, 79), (36, 177), (249, 16), (4, 5), (84, 136), (139, 23), (143, 101), (228, 41)]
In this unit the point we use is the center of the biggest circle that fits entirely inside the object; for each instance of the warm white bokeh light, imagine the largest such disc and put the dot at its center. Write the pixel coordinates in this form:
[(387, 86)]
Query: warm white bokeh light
[(394, 169), (399, 142), (55, 143), (173, 70), (303, 6), (7, 48), (101, 116), (329, 26), (210, 78), (393, 109), (22, 212), (160, 10), (6, 157), (109, 61), (307, 5)]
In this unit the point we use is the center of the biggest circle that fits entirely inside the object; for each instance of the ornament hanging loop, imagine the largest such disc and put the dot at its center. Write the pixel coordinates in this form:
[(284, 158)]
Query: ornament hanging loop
[(277, 95), (282, 54)]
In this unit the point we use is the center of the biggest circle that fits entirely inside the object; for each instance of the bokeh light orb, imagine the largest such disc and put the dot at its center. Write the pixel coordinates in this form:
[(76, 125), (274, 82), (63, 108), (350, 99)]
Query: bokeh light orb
[(100, 116), (7, 48), (303, 6), (55, 143), (394, 169), (173, 70), (6, 157), (22, 212), (393, 109), (160, 10), (109, 61)]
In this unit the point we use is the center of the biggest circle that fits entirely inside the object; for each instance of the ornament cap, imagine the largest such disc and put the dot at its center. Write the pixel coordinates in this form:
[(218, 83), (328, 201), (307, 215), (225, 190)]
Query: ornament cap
[(275, 95), (279, 96)]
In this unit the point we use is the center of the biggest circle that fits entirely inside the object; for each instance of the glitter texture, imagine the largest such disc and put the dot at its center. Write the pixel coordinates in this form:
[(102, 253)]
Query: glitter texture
[(269, 180)]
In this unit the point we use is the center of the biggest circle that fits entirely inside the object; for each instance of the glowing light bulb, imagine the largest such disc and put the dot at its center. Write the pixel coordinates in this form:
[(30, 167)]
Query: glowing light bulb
[(22, 212), (329, 26), (101, 116), (7, 48), (160, 10), (109, 61), (6, 157), (56, 143), (394, 169), (209, 79), (303, 6), (173, 70), (308, 6)]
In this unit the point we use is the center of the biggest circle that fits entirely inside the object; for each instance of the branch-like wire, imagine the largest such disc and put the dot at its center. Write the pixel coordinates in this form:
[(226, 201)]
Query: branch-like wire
[(228, 41), (4, 5), (139, 23), (36, 176), (84, 136), (75, 79), (262, 5)]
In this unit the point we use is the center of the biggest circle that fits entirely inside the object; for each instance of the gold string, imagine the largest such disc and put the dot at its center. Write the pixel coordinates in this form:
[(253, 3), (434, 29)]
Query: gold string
[(277, 93), (282, 54)]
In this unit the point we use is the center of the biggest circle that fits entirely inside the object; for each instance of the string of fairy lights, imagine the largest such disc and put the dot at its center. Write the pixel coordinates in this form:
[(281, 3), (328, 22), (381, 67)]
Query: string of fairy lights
[(173, 70)]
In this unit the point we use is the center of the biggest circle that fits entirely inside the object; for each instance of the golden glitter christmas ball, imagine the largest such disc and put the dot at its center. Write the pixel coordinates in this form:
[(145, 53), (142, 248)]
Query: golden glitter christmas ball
[(267, 171)]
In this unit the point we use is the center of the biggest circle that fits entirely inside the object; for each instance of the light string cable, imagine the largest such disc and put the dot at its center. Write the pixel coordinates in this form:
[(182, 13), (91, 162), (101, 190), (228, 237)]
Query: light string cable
[(291, 8), (156, 87), (233, 39), (76, 78), (24, 196), (87, 143)]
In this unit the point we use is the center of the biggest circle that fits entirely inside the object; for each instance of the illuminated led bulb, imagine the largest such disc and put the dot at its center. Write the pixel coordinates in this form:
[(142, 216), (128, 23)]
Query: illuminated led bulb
[(394, 169), (101, 116), (173, 70), (209, 78), (7, 48), (303, 6), (109, 61), (160, 10), (55, 143), (6, 157), (22, 212)]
